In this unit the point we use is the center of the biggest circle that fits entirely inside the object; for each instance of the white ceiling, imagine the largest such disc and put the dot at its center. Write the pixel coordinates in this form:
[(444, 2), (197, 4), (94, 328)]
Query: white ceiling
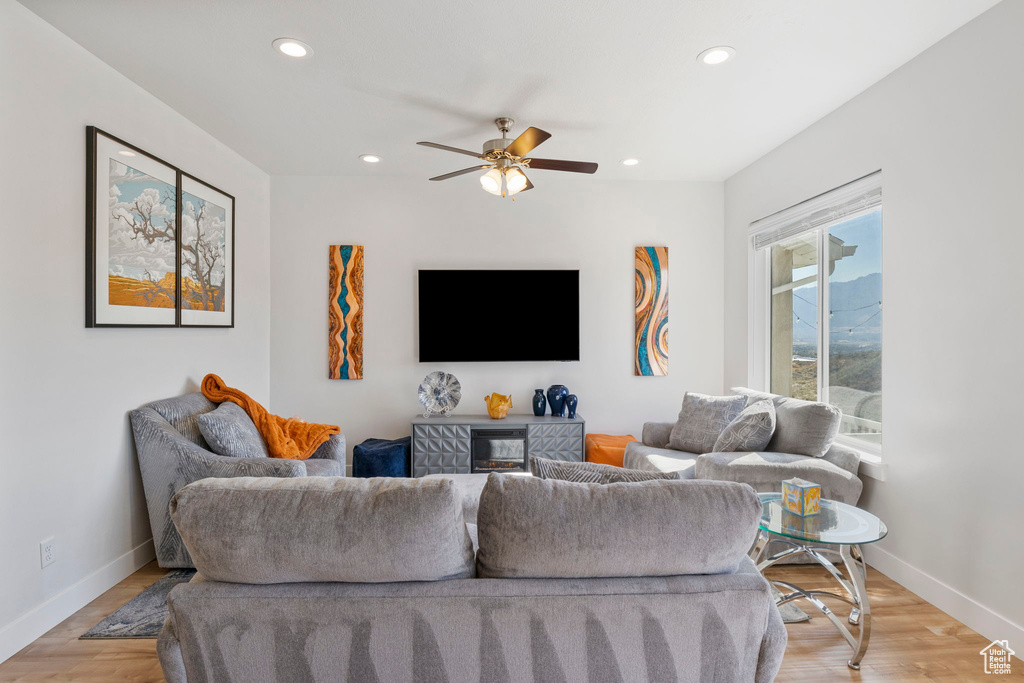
[(609, 80)]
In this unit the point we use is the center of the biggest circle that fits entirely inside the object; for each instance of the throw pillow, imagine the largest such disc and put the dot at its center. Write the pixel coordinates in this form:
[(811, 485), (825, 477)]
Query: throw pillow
[(702, 420), (591, 472), (750, 431), (230, 431)]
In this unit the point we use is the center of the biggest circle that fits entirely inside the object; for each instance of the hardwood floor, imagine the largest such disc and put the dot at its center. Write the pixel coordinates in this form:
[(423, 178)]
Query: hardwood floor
[(910, 641), (59, 656)]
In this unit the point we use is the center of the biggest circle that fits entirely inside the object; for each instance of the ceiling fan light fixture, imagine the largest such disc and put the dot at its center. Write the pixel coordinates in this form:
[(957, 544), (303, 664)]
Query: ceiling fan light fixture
[(716, 55), (515, 180), (491, 181), (502, 176)]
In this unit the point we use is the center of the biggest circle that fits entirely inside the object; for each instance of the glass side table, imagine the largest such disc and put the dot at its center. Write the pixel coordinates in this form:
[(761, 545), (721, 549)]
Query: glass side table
[(837, 531)]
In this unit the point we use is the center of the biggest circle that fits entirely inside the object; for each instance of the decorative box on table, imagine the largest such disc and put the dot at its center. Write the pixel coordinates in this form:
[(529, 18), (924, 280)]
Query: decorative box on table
[(801, 497)]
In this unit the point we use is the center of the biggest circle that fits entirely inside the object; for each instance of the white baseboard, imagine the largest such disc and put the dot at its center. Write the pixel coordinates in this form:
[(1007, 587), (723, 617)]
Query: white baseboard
[(973, 614), (29, 626)]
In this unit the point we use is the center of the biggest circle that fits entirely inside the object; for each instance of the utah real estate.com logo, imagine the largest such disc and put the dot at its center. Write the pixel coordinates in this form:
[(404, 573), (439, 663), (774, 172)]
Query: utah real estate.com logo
[(997, 657)]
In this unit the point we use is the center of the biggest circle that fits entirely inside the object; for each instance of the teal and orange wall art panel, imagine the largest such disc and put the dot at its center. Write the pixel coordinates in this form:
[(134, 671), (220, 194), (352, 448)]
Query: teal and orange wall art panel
[(345, 312), (651, 357)]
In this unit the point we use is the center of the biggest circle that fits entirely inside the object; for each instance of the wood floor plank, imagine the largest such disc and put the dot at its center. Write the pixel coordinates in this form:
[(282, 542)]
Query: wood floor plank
[(911, 640)]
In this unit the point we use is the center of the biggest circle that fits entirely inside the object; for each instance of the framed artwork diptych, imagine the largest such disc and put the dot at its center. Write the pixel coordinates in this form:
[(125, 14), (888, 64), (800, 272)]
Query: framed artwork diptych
[(207, 250), (159, 242)]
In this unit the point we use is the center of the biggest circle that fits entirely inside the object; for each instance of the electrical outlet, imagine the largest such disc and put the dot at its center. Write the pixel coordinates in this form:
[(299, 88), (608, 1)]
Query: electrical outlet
[(47, 551)]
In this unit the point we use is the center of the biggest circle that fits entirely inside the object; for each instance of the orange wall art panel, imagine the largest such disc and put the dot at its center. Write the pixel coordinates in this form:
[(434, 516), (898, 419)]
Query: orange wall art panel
[(651, 357), (345, 313)]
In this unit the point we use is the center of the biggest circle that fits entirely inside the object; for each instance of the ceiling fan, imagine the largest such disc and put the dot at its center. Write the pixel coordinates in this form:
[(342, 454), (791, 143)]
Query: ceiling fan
[(506, 160)]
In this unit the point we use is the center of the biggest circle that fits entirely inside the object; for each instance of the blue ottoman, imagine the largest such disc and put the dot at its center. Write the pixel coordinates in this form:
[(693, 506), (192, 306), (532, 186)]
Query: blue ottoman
[(382, 458)]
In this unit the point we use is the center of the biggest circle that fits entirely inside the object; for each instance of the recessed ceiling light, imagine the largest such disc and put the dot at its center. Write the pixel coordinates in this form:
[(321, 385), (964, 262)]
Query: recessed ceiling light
[(126, 153), (369, 158), (716, 55), (293, 47), (630, 162)]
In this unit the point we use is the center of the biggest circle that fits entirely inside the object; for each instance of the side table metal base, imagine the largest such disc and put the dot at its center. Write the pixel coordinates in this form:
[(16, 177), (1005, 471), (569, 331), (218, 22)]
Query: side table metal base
[(854, 586)]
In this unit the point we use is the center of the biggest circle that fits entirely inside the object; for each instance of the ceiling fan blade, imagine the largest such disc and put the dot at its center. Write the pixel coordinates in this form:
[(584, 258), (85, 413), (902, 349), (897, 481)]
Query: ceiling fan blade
[(436, 145), (530, 138), (464, 171), (561, 165)]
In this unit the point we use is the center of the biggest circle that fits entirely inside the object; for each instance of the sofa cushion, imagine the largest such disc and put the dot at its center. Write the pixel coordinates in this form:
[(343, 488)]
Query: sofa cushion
[(592, 472), (753, 395), (267, 530), (750, 431), (702, 419), (639, 456), (230, 431), (766, 471), (801, 427), (535, 528)]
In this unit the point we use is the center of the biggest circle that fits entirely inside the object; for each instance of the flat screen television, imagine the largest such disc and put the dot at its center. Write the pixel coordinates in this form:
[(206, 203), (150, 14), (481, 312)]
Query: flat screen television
[(499, 315)]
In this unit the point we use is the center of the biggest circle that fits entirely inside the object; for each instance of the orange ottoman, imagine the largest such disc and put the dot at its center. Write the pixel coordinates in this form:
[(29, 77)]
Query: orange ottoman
[(607, 449)]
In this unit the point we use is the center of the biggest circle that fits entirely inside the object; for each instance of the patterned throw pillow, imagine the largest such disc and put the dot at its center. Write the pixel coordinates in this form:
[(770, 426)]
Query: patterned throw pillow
[(230, 431), (702, 420), (591, 472), (750, 431)]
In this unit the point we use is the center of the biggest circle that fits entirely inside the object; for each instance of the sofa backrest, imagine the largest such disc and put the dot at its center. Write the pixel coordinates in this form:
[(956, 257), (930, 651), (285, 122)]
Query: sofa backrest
[(181, 412), (543, 528), (266, 530), (801, 427)]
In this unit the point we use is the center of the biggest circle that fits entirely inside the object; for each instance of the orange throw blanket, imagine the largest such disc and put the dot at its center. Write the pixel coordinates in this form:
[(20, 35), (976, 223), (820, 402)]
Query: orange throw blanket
[(286, 438)]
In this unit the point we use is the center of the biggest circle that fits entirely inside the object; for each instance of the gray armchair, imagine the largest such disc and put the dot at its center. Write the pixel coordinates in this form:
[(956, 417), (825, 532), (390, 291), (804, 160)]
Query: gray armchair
[(173, 453)]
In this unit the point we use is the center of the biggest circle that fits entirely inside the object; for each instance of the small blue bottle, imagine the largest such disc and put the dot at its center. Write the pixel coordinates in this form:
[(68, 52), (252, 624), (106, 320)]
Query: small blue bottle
[(571, 401), (540, 404)]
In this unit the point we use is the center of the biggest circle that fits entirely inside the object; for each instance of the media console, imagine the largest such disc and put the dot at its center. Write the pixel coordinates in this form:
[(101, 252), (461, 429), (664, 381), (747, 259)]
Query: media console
[(476, 443)]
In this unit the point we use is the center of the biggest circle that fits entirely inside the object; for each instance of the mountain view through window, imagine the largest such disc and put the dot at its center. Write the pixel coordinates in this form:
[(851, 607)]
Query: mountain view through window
[(845, 338)]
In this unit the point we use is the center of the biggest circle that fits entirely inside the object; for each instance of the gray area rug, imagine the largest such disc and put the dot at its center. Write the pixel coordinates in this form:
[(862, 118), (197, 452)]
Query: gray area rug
[(791, 614), (143, 616)]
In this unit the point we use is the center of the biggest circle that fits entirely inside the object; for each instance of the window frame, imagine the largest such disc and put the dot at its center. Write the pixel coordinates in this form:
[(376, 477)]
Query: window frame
[(760, 294)]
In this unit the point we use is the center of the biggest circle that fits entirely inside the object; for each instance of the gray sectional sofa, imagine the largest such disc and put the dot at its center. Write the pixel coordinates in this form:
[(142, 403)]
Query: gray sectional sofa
[(172, 453), (836, 471), (333, 579)]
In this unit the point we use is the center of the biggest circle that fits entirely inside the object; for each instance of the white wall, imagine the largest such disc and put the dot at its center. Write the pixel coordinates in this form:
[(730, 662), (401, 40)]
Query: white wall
[(946, 129), (67, 461), (567, 222)]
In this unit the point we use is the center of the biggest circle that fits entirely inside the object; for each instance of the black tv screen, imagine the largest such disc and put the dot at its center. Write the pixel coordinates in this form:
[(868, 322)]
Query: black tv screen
[(499, 315)]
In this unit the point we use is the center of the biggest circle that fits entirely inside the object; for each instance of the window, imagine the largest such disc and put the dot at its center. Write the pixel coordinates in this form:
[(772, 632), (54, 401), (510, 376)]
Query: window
[(817, 269)]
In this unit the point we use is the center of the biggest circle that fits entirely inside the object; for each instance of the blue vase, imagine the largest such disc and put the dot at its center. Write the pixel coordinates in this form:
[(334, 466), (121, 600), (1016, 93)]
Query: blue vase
[(556, 399), (571, 401), (540, 404)]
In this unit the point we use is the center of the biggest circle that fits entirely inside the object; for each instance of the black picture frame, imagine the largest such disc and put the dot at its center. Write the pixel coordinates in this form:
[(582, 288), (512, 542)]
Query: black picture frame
[(99, 312), (229, 265)]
